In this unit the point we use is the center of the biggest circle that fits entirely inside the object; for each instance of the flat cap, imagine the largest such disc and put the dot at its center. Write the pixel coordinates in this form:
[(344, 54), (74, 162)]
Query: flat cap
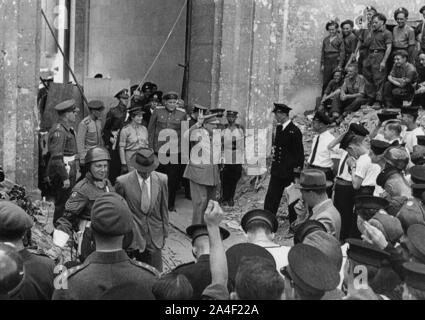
[(417, 174), (328, 244), (238, 252), (346, 140), (304, 229), (280, 107), (311, 270), (123, 94), (322, 118), (385, 175), (14, 221), (414, 275), (367, 206), (96, 105), (65, 106), (416, 243), (111, 216), (390, 226), (379, 147), (171, 96), (365, 254), (199, 230), (260, 215), (412, 212), (359, 130), (387, 115)]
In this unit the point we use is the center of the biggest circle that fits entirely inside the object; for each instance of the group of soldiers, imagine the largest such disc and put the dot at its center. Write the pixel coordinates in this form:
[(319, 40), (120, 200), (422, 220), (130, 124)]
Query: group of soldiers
[(373, 65)]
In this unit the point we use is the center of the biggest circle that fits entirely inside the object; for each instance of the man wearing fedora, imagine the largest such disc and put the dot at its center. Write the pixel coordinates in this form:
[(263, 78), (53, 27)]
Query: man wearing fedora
[(146, 193), (288, 156), (313, 187)]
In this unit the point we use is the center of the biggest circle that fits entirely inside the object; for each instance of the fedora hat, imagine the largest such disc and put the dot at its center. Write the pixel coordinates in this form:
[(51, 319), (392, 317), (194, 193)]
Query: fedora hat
[(312, 179), (145, 160)]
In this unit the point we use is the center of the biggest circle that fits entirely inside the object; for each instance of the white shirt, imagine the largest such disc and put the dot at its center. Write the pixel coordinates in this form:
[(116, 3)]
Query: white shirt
[(323, 156), (343, 173), (148, 182), (410, 138), (367, 171), (280, 255), (285, 125)]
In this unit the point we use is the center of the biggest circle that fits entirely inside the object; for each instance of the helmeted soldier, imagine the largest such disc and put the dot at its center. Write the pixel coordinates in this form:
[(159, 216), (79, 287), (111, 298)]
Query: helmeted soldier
[(90, 133), (169, 117), (78, 208), (115, 120), (62, 166)]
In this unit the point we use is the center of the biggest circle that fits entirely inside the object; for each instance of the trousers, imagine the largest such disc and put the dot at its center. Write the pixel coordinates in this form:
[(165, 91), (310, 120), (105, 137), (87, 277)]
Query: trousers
[(373, 73), (275, 192), (201, 195), (232, 173)]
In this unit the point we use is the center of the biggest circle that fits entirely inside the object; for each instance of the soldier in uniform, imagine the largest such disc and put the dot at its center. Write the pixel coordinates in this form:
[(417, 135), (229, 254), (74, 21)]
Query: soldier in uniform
[(288, 156), (114, 123), (39, 269), (199, 273), (109, 266), (152, 103), (232, 171), (169, 117), (62, 166), (78, 208), (90, 133)]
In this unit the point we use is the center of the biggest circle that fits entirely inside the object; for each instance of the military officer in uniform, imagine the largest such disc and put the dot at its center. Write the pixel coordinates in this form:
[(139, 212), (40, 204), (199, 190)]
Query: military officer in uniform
[(38, 281), (199, 273), (232, 171), (168, 117), (109, 266), (90, 133), (114, 123), (288, 156), (78, 208), (62, 166)]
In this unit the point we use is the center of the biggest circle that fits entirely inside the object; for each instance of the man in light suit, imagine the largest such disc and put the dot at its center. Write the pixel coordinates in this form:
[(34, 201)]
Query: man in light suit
[(313, 187), (146, 193), (202, 172)]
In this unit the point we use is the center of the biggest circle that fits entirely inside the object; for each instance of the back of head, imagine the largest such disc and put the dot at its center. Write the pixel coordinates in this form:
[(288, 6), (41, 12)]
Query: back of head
[(258, 226), (173, 286), (258, 279), (328, 244)]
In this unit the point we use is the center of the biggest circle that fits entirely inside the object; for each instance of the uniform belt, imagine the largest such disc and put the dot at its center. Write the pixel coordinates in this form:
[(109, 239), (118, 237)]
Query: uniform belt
[(342, 182)]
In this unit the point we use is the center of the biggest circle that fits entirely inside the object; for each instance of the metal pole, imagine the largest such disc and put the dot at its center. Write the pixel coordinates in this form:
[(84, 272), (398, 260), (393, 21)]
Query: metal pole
[(65, 60)]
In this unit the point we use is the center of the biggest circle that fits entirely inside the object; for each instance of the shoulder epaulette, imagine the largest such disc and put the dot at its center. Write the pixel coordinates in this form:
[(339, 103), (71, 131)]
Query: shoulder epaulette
[(146, 267)]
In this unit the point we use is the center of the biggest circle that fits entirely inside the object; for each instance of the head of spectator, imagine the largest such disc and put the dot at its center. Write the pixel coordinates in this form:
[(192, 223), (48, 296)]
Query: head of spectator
[(136, 115), (97, 161), (123, 97), (347, 27), (352, 71), (377, 150), (390, 227), (313, 186), (321, 122), (14, 223), (400, 58), (171, 101), (309, 274), (281, 112), (414, 286), (259, 224), (394, 183), (306, 228), (368, 206), (327, 244), (378, 21), (149, 88), (397, 157), (338, 75), (332, 28), (392, 130), (370, 12), (400, 16), (409, 116), (422, 60), (258, 279), (200, 239), (355, 146), (173, 286)]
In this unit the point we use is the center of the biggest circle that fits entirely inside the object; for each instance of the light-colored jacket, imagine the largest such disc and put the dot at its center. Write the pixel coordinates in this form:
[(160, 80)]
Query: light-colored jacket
[(328, 215)]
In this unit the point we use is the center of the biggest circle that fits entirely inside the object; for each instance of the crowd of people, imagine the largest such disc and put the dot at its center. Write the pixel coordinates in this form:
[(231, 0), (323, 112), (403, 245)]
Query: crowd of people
[(356, 204)]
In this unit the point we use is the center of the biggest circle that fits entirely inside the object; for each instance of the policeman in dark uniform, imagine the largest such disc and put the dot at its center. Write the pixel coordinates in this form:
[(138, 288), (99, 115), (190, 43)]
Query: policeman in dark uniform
[(168, 117), (39, 269), (152, 103), (111, 220), (12, 273), (232, 170), (288, 156), (78, 207), (199, 273), (114, 123), (62, 166)]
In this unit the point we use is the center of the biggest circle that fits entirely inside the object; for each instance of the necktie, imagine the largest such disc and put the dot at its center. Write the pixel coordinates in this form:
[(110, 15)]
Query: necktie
[(146, 201), (341, 170), (313, 155)]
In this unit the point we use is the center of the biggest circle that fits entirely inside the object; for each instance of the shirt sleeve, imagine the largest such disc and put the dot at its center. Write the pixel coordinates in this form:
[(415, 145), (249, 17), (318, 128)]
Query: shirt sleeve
[(362, 166), (123, 138), (388, 38), (412, 37)]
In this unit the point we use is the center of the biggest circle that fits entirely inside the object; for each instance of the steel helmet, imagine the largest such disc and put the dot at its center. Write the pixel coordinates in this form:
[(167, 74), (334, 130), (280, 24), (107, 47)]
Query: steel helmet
[(11, 270), (97, 154), (397, 157)]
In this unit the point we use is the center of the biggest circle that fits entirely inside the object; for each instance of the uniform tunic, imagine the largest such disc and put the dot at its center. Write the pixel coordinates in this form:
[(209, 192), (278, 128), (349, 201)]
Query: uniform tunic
[(133, 137), (89, 136)]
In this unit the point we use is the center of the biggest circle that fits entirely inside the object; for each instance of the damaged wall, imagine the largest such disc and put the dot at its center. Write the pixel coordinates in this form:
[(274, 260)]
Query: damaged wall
[(19, 71)]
